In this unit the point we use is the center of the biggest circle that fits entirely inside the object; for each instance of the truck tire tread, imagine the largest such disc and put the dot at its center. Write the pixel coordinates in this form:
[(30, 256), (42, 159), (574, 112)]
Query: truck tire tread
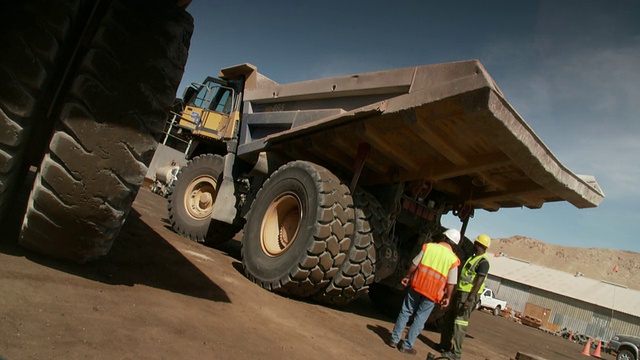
[(358, 270), (209, 232), (104, 138), (322, 242), (34, 54)]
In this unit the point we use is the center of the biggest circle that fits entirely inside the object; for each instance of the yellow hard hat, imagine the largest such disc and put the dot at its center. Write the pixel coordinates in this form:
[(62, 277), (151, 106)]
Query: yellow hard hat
[(483, 240)]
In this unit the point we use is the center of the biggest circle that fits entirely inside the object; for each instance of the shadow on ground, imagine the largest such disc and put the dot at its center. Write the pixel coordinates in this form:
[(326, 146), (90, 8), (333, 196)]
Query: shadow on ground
[(139, 256), (361, 306), (385, 335)]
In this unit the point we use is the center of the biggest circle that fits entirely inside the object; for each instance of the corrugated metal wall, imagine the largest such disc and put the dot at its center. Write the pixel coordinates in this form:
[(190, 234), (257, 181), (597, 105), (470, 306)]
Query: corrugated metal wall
[(565, 312), (626, 324), (516, 295), (585, 318), (575, 315), (493, 283)]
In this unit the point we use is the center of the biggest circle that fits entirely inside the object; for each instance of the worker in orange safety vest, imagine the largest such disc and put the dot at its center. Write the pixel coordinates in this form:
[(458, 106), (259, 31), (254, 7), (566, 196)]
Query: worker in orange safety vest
[(433, 275)]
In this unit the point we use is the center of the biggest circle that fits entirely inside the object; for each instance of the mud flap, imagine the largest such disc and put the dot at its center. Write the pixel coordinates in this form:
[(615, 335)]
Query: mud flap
[(224, 208)]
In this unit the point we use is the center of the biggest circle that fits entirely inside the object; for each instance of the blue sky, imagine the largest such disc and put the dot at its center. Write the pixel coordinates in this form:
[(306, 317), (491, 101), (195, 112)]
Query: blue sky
[(570, 68)]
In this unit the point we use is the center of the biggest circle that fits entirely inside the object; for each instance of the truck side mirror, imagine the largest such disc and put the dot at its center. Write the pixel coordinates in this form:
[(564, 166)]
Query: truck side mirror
[(188, 93)]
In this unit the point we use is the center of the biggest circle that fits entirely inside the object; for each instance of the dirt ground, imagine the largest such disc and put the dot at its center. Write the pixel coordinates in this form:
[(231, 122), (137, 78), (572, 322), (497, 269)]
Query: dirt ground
[(159, 296)]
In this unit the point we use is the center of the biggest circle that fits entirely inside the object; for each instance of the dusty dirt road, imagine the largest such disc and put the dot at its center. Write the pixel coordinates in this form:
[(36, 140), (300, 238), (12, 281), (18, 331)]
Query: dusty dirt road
[(159, 296)]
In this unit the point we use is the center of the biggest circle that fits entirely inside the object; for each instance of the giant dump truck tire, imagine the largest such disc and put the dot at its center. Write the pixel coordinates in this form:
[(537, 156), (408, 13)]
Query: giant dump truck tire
[(376, 224), (36, 43), (191, 201), (103, 141), (357, 272), (298, 230)]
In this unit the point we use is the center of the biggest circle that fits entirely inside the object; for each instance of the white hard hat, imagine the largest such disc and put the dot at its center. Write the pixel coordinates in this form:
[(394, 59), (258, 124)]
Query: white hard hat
[(453, 235)]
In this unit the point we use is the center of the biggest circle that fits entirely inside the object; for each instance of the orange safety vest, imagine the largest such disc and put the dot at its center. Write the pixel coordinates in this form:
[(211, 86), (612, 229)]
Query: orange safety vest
[(430, 279)]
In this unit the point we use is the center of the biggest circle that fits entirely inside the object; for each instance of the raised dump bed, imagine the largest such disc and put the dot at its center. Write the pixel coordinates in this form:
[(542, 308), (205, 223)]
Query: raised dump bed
[(448, 124)]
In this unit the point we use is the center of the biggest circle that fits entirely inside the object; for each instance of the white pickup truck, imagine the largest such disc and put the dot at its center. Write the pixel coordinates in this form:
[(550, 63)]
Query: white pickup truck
[(487, 301)]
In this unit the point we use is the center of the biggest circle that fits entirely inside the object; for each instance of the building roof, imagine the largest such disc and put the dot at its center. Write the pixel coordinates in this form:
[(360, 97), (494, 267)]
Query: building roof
[(601, 293)]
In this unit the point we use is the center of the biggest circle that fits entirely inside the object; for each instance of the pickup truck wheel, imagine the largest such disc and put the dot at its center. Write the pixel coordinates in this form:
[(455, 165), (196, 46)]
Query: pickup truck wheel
[(625, 355), (191, 198), (298, 230), (496, 310), (357, 272), (117, 99)]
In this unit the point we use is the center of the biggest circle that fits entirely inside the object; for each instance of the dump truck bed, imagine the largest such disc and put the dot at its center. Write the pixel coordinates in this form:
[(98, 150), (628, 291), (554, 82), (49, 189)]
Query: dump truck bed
[(448, 124)]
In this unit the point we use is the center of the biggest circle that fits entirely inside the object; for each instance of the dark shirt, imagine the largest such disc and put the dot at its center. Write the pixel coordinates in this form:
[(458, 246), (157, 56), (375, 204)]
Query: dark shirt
[(483, 268)]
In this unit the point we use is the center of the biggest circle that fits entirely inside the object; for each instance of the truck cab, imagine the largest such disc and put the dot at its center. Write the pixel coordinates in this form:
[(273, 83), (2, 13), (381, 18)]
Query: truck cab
[(209, 109)]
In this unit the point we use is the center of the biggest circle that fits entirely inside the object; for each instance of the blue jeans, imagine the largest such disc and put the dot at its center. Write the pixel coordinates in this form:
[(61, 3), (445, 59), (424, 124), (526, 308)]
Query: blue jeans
[(420, 307)]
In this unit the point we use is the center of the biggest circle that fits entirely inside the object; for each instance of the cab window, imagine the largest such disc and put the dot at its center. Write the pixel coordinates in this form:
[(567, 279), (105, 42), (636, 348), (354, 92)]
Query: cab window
[(214, 97)]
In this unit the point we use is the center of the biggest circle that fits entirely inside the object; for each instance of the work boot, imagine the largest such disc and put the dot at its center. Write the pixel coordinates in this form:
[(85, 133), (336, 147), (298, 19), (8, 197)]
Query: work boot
[(450, 355), (392, 344), (410, 351)]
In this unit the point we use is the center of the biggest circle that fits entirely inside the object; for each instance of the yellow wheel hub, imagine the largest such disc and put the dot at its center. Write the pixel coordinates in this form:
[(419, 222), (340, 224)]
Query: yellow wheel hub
[(200, 196), (280, 224)]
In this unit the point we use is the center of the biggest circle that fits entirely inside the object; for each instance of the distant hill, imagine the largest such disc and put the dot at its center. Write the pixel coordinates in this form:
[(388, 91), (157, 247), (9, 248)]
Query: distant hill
[(597, 264)]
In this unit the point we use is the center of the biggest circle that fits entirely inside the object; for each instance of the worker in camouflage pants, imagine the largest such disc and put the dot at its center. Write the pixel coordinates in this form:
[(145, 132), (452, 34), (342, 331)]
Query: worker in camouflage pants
[(470, 286)]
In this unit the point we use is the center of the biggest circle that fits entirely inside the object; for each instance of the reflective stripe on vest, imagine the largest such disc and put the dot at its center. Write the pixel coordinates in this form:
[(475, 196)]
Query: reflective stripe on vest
[(430, 278), (468, 273)]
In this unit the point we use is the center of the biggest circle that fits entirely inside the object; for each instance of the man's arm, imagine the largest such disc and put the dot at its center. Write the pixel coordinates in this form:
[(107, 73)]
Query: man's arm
[(405, 280), (481, 275), (477, 282), (472, 298), (447, 295), (452, 279), (412, 268)]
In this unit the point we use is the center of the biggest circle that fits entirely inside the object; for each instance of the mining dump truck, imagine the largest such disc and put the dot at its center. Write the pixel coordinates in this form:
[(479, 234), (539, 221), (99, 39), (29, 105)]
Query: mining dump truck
[(85, 90), (337, 182)]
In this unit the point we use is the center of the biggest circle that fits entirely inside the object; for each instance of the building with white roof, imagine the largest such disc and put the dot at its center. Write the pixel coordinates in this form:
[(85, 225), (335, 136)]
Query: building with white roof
[(596, 308)]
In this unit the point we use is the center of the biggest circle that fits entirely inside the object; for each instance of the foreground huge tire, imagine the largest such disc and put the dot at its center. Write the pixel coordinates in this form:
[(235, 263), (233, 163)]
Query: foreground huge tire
[(298, 230), (36, 42), (104, 136), (191, 201), (360, 268)]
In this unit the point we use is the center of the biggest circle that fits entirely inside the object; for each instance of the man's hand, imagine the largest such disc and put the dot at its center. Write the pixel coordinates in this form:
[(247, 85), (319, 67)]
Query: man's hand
[(469, 304), (444, 303), (407, 277)]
